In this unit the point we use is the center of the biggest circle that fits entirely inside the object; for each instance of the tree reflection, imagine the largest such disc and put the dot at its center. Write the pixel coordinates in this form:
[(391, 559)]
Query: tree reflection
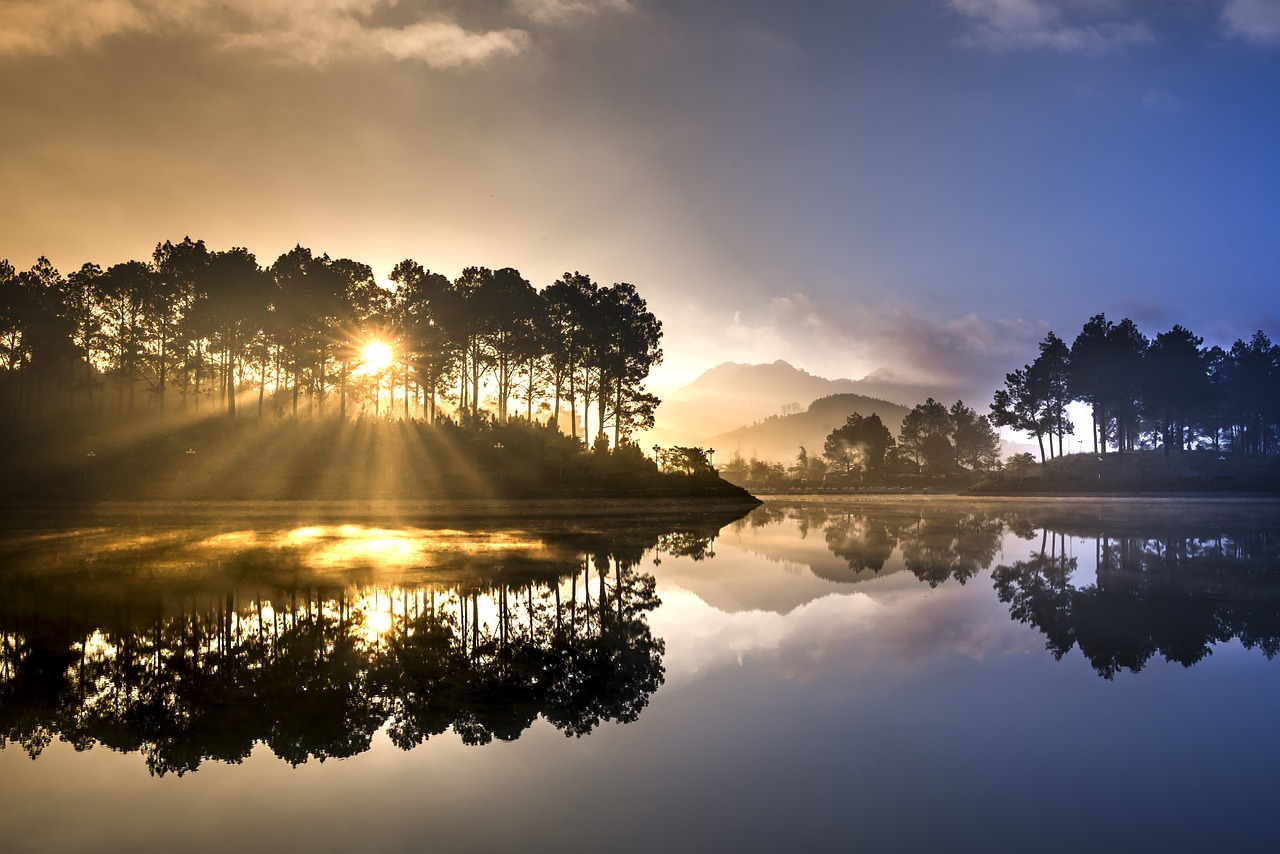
[(951, 545), (1172, 596), (864, 543), (1158, 590), (250, 645), (936, 544)]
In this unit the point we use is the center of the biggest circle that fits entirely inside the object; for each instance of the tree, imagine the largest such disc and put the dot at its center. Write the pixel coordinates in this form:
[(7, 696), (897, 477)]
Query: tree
[(569, 302), (421, 304), (977, 445), (684, 460), (235, 291), (926, 437), (631, 345), (1017, 406), (1175, 387), (122, 294), (178, 270), (1125, 348), (859, 445), (362, 311), (809, 471), (510, 332), (1048, 379), (1088, 374), (1251, 386)]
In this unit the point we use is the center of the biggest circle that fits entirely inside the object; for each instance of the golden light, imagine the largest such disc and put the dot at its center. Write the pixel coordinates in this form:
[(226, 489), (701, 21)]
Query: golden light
[(376, 356), (379, 622)]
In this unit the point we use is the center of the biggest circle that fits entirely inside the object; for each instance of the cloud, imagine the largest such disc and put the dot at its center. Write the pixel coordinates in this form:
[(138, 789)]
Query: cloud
[(1160, 101), (564, 11), (968, 355), (308, 32), (897, 630), (1086, 26), (47, 26), (1254, 21)]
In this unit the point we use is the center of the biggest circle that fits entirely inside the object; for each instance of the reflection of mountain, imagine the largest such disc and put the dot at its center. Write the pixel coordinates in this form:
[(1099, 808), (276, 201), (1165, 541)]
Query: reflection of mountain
[(188, 643), (1171, 579), (841, 547), (812, 547), (933, 542)]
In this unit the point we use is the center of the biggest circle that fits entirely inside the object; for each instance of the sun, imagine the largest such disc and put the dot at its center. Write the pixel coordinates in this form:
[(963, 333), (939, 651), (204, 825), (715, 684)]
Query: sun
[(376, 356)]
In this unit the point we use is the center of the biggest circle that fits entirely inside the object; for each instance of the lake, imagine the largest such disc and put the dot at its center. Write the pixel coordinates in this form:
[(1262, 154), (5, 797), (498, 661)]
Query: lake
[(888, 673)]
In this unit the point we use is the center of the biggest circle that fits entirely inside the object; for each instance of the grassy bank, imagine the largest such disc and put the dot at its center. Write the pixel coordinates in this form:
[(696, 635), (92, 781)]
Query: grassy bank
[(328, 460), (1140, 472)]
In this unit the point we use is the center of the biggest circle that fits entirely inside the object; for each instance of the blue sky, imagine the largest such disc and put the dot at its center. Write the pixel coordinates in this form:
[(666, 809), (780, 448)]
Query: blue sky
[(924, 186)]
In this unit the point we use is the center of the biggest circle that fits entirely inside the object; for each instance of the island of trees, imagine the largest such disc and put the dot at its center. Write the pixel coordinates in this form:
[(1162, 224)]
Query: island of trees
[(140, 372)]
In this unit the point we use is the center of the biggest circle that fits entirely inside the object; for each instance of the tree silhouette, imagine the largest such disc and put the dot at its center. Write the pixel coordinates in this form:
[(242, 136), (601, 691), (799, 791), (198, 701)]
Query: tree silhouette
[(860, 444)]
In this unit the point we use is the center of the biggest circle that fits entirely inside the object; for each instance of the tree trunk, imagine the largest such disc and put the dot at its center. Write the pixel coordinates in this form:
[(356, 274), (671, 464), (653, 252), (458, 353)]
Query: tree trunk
[(231, 385)]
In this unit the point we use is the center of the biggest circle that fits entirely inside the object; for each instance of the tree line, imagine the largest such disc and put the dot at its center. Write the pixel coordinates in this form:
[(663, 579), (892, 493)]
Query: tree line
[(1170, 391), (216, 329), (934, 440)]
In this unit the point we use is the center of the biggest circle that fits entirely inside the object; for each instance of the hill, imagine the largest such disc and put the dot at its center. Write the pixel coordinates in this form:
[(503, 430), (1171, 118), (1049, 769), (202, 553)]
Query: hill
[(733, 394), (779, 437)]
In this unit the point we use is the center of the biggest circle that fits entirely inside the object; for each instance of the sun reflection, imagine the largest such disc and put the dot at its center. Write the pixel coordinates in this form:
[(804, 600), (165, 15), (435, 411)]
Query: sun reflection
[(347, 545), (379, 622)]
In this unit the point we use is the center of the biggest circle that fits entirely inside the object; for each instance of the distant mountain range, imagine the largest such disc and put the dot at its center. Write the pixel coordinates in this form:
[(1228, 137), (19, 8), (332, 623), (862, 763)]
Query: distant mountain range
[(731, 395), (780, 437), (770, 410)]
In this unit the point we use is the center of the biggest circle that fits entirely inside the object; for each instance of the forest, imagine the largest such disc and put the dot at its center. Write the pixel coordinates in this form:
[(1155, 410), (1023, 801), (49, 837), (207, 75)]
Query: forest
[(1169, 392), (193, 330), (204, 374)]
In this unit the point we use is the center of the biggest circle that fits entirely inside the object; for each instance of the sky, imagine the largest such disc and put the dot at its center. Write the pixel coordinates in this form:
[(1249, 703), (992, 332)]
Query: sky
[(925, 187)]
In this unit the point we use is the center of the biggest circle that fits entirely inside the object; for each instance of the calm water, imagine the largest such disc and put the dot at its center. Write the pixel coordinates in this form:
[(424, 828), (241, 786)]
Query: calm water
[(817, 675)]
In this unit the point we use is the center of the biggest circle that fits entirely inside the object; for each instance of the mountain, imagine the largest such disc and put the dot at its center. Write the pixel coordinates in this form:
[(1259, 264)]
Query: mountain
[(785, 407), (732, 394), (779, 437)]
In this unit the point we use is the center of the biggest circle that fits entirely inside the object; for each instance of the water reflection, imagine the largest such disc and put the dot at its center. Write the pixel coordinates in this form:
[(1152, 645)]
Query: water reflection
[(199, 639), (188, 642), (1167, 596), (1121, 582)]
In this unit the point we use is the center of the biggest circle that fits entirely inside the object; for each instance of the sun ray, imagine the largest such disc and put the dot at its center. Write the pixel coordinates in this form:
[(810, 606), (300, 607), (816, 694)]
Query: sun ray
[(375, 357)]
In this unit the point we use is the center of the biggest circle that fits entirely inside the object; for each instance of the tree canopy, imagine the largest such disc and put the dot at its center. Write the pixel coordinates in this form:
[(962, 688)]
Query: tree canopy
[(194, 329), (1169, 392)]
